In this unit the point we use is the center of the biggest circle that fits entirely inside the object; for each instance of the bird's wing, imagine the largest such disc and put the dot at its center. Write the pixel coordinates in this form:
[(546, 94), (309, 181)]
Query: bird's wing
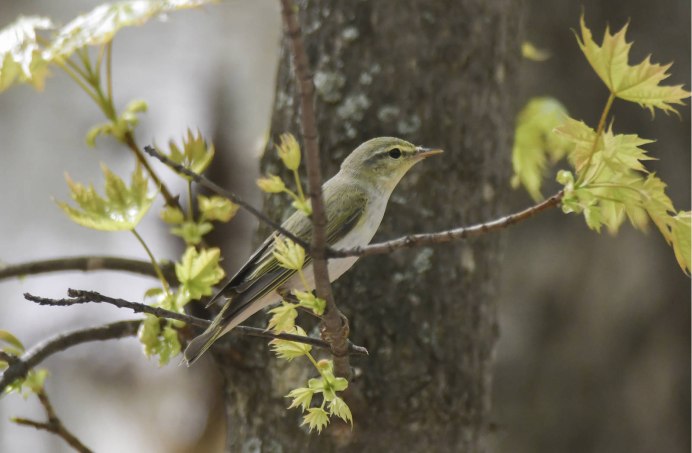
[(262, 273)]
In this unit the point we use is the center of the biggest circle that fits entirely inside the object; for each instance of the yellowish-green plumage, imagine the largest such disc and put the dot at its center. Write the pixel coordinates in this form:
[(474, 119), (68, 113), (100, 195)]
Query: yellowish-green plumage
[(355, 201)]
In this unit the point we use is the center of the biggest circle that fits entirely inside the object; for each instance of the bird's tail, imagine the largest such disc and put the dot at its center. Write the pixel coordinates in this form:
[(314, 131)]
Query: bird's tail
[(201, 343)]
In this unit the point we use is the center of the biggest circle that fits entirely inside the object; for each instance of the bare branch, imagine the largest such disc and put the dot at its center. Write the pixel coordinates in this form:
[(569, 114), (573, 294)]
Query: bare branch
[(455, 234), (86, 264), (40, 352), (335, 325), (203, 181), (53, 424)]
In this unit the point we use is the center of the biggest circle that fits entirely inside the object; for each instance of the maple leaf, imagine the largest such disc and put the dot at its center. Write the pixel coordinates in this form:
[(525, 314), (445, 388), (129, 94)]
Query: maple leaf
[(197, 271), (638, 83), (681, 232), (283, 317), (289, 350), (535, 141), (122, 209), (100, 25), (21, 59)]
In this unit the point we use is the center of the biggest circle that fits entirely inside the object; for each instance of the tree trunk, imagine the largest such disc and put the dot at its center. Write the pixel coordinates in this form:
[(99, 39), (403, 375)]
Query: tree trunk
[(437, 73)]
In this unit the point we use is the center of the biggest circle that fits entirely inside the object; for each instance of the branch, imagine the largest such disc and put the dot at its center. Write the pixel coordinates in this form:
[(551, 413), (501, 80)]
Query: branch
[(19, 368), (53, 424), (455, 234), (81, 296), (335, 327), (203, 181), (86, 264)]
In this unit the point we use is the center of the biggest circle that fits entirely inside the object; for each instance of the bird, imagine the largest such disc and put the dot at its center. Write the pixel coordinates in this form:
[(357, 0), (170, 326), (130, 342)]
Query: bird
[(355, 200)]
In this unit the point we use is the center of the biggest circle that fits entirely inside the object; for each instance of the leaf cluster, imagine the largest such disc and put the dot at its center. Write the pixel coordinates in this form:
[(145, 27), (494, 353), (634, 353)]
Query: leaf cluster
[(25, 56), (608, 182)]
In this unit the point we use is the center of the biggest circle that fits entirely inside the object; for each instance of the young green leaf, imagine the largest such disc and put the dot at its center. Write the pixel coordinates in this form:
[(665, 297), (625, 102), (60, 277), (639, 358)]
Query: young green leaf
[(159, 341), (283, 317), (316, 418), (338, 407), (35, 380), (148, 334), (289, 350), (271, 184), (681, 233), (195, 155), (100, 25), (192, 232), (12, 345), (582, 139), (122, 209), (535, 142), (310, 301), (303, 205), (124, 124), (216, 208), (289, 254), (533, 53), (198, 272), (172, 215), (289, 151), (169, 346), (21, 59), (639, 83), (301, 397)]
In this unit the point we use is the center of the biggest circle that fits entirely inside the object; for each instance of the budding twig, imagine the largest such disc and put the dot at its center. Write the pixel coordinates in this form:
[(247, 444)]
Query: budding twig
[(335, 327), (203, 181), (19, 367)]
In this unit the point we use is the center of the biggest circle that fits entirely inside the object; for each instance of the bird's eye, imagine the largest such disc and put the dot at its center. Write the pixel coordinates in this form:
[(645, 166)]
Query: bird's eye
[(395, 153)]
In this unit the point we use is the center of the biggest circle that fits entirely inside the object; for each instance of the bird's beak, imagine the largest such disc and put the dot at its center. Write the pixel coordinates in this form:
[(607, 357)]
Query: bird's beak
[(423, 153)]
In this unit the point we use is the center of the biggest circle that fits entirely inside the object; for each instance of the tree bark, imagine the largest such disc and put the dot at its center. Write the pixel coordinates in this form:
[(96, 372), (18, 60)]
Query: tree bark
[(437, 73)]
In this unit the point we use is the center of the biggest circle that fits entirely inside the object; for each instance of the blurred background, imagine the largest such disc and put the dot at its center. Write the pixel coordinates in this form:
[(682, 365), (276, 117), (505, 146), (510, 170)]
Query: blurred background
[(594, 352)]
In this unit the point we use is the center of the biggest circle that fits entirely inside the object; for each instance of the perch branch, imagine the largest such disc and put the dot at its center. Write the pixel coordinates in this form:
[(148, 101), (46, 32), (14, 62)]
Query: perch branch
[(455, 234), (78, 296), (19, 367), (335, 325)]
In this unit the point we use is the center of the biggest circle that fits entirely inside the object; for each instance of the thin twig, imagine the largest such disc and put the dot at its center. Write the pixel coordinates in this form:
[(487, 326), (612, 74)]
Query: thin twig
[(53, 424), (8, 358), (455, 234), (86, 264), (203, 181), (335, 325), (129, 140), (83, 297)]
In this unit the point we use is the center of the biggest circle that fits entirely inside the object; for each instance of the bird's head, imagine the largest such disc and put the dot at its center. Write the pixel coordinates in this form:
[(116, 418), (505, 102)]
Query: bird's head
[(383, 161)]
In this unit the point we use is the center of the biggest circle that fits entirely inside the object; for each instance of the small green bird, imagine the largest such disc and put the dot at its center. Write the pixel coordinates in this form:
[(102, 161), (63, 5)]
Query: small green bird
[(355, 201)]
